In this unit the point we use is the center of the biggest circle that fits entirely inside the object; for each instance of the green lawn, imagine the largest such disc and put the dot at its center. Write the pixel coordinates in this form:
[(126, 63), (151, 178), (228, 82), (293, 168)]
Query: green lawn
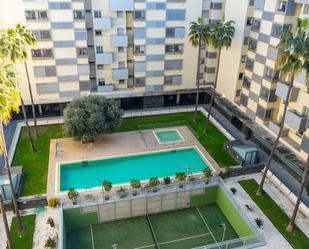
[(297, 239), (35, 165), (24, 241)]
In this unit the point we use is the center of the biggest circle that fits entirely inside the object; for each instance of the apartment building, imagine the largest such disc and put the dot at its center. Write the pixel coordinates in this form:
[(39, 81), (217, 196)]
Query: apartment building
[(253, 82), (117, 48)]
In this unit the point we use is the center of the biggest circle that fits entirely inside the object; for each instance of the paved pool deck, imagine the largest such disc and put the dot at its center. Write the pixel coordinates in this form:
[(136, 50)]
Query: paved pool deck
[(115, 144)]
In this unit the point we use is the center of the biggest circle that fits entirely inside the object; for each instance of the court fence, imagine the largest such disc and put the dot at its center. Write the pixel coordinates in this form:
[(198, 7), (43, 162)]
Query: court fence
[(101, 208)]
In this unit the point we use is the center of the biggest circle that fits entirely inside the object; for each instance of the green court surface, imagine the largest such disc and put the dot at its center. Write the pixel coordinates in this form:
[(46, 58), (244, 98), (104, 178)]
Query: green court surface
[(181, 229)]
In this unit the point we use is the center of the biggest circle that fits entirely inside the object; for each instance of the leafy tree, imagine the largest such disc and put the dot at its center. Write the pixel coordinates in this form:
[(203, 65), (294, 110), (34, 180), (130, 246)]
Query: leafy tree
[(135, 183), (88, 117), (9, 102), (199, 33), (221, 37), (107, 185)]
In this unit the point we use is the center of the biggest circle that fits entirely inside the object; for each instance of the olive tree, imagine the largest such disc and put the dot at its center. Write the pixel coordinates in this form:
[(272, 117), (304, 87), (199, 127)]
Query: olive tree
[(88, 117)]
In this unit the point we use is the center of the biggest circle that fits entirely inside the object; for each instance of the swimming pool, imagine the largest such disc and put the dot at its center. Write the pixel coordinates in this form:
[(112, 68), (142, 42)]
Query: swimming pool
[(89, 174), (168, 136)]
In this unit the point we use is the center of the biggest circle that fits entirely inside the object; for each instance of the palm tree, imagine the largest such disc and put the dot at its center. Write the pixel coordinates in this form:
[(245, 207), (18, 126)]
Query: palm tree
[(293, 48), (6, 225), (221, 36), (9, 102), (199, 33), (13, 44)]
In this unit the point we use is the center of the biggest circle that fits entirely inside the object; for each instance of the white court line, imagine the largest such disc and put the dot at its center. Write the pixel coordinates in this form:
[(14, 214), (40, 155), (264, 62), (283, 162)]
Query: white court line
[(92, 240), (206, 224)]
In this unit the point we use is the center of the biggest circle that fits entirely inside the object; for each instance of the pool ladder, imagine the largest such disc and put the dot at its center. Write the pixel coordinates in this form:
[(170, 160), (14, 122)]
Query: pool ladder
[(189, 172)]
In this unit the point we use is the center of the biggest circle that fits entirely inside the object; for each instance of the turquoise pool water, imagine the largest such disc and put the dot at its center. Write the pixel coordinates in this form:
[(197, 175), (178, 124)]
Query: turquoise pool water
[(88, 174), (168, 136)]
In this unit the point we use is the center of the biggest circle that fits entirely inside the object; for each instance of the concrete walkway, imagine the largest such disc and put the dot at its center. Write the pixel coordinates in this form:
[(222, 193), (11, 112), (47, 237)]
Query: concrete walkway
[(275, 167)]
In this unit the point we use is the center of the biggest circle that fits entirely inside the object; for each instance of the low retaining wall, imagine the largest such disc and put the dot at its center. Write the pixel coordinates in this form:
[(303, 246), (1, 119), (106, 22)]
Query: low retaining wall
[(244, 170)]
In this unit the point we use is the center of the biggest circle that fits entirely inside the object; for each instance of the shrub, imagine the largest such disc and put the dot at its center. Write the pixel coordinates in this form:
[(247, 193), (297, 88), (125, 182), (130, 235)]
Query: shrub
[(107, 185), (87, 117), (233, 190), (50, 243), (52, 202), (207, 172), (223, 174), (50, 221), (153, 182), (180, 176), (167, 180), (135, 183), (72, 194), (259, 222)]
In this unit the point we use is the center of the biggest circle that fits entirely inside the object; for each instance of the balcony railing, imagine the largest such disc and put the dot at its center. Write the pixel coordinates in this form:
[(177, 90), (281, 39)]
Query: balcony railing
[(296, 121), (104, 58), (102, 23), (119, 40), (282, 89), (121, 5), (120, 74)]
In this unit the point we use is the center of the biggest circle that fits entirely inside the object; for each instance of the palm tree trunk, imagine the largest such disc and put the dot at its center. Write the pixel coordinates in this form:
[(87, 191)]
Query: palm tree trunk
[(27, 125), (197, 79), (9, 242), (213, 94), (37, 134), (259, 191), (291, 224), (7, 166)]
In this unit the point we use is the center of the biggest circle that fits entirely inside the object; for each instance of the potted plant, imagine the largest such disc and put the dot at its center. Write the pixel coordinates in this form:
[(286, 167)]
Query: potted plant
[(122, 192), (207, 174), (73, 195), (107, 187), (233, 190), (50, 243), (259, 222), (135, 184), (167, 180), (52, 202), (153, 182), (180, 177), (50, 221)]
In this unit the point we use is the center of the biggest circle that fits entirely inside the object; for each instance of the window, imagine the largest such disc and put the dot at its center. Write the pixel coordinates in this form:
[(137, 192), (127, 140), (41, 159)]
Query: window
[(44, 71), (305, 111), (100, 67), (271, 74), (243, 58), (246, 40), (99, 49), (264, 93), (42, 53), (120, 31), (249, 64), (120, 49), (243, 100), (246, 83), (139, 33), (263, 113), (278, 29), (97, 14), (238, 92), (240, 76), (249, 21), (178, 32), (139, 15), (256, 25), (98, 32), (174, 48), (282, 6), (101, 82), (121, 81), (306, 9), (78, 14), (172, 79), (121, 64), (82, 51), (252, 44), (175, 15), (173, 64), (120, 14), (251, 3), (139, 49), (42, 35), (140, 81), (36, 15)]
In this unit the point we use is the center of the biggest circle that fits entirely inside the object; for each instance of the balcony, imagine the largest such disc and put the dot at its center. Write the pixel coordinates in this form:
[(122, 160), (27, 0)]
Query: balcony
[(302, 1), (296, 121), (121, 5), (282, 89), (301, 77), (274, 127), (106, 88), (102, 23), (104, 58), (120, 74), (305, 144), (119, 40)]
